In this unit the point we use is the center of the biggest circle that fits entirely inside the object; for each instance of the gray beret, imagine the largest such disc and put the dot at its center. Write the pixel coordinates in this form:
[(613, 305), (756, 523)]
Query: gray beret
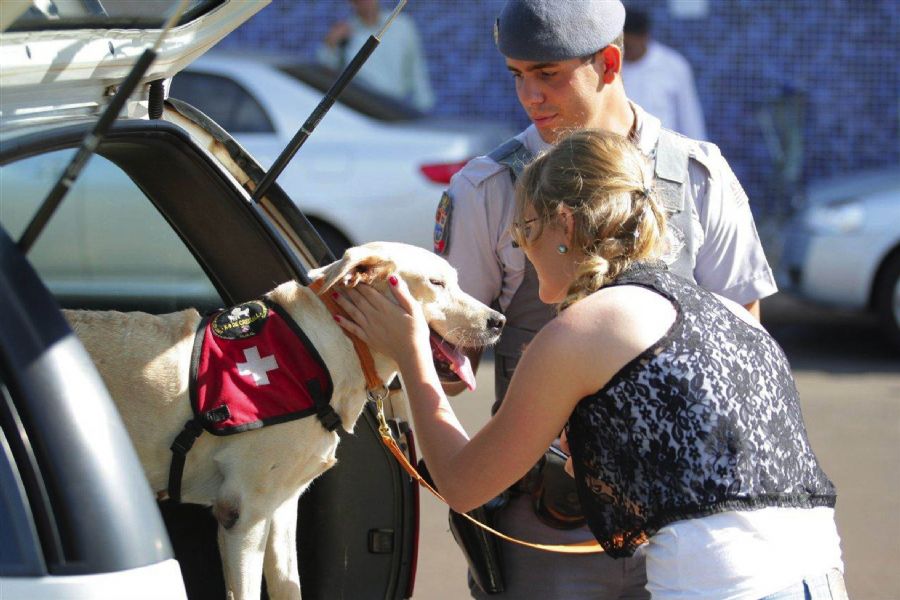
[(557, 30)]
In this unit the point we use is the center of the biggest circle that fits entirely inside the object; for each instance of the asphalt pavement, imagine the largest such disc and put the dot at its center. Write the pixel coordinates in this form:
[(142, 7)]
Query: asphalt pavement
[(849, 382)]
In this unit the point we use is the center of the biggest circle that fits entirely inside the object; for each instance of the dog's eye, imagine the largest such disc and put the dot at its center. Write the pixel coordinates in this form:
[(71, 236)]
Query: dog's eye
[(438, 283)]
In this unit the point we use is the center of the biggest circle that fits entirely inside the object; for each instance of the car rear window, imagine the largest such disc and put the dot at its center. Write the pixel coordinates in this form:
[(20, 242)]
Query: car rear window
[(356, 96)]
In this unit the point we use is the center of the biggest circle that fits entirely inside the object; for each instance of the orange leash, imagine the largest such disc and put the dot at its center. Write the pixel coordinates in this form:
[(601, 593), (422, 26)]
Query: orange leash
[(377, 391)]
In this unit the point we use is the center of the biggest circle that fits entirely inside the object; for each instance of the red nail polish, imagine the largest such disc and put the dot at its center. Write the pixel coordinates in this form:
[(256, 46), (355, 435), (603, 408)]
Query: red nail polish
[(393, 280), (335, 295), (337, 318)]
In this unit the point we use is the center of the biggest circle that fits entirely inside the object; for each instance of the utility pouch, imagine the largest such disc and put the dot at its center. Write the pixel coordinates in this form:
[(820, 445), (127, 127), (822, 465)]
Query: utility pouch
[(481, 548), (555, 498)]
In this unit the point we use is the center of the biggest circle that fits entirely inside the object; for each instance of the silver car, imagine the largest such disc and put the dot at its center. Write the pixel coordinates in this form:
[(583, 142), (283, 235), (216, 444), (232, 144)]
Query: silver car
[(843, 248)]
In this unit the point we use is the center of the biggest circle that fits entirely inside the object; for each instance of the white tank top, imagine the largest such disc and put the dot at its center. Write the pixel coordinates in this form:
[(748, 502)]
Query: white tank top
[(741, 555)]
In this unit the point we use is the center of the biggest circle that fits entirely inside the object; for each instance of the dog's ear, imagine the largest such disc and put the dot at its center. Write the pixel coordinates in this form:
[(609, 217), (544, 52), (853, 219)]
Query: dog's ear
[(359, 264)]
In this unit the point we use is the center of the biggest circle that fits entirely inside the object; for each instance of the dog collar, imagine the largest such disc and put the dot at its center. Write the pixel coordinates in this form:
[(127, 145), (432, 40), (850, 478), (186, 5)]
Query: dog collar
[(376, 390)]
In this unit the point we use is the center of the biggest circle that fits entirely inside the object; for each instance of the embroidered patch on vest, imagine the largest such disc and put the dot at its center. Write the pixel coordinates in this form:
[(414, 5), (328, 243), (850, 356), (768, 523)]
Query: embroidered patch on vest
[(442, 224), (241, 321), (253, 366)]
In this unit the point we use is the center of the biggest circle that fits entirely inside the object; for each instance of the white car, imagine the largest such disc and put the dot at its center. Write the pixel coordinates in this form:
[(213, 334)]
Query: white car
[(843, 248), (375, 168)]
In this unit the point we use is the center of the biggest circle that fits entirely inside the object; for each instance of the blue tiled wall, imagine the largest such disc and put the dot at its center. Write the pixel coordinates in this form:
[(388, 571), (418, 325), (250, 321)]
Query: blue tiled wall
[(841, 56)]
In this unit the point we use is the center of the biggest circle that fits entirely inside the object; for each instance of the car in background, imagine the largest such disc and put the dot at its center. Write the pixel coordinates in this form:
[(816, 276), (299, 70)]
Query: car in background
[(164, 209), (842, 248), (375, 168)]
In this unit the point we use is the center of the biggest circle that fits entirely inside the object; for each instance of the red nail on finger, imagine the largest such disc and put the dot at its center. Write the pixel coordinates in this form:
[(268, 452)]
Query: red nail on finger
[(393, 280)]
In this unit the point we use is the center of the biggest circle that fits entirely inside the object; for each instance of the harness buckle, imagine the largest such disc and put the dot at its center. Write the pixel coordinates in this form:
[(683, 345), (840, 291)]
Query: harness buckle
[(330, 420), (184, 441)]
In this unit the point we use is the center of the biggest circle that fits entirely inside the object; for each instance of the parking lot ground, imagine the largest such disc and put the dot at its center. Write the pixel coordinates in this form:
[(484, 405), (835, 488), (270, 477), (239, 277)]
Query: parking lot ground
[(849, 382)]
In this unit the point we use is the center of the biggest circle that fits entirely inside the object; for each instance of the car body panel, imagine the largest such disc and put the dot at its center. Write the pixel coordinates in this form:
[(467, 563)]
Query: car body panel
[(153, 582), (838, 267)]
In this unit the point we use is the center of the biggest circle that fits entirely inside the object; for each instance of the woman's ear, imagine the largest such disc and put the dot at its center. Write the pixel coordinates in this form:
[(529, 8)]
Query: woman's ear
[(567, 220)]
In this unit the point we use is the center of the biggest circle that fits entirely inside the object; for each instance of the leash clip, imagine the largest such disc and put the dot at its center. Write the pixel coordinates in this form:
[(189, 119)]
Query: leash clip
[(377, 396)]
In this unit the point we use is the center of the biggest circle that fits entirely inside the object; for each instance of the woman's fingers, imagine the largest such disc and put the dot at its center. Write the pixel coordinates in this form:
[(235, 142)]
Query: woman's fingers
[(402, 294), (351, 302), (352, 328), (564, 445)]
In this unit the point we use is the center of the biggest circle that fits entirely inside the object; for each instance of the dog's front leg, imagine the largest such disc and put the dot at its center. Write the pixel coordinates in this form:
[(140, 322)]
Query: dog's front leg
[(280, 565), (242, 547)]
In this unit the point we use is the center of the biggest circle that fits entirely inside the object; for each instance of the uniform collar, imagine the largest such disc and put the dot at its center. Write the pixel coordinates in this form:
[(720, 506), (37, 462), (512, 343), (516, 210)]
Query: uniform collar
[(647, 128), (533, 140)]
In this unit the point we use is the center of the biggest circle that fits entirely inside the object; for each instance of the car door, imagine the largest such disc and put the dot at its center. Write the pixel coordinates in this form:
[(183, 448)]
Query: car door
[(77, 516)]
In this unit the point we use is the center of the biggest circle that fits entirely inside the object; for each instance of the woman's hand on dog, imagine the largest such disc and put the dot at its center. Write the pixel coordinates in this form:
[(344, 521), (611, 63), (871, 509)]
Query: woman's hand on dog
[(389, 328)]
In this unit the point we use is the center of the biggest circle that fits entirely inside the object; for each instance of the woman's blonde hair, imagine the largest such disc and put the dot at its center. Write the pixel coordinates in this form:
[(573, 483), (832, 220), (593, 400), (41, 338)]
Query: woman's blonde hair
[(606, 182)]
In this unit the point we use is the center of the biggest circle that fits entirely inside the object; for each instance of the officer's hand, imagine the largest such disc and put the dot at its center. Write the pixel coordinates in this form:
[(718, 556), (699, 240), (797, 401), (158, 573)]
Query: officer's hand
[(564, 446)]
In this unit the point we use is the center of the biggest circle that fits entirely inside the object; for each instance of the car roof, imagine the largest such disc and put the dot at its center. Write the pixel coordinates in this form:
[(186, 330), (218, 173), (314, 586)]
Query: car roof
[(66, 65)]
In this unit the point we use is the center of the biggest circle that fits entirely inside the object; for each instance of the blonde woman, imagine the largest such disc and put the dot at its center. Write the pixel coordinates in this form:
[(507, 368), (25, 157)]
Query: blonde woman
[(682, 416)]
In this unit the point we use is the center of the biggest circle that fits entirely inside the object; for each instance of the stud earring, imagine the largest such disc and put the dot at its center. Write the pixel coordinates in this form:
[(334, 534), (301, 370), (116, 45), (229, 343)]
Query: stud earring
[(562, 248)]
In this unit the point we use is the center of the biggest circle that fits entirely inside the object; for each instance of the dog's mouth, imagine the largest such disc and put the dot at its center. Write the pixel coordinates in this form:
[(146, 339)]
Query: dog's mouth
[(451, 364)]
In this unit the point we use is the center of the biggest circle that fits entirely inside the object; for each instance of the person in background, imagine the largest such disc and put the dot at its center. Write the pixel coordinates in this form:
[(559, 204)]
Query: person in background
[(660, 79), (565, 59), (682, 416), (396, 68)]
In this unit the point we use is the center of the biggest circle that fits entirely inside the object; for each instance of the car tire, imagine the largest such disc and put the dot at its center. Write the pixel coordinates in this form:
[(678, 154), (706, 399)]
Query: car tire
[(887, 298)]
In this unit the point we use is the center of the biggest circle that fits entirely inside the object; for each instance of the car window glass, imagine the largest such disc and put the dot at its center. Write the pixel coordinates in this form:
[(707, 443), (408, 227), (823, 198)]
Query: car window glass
[(106, 246), (223, 100)]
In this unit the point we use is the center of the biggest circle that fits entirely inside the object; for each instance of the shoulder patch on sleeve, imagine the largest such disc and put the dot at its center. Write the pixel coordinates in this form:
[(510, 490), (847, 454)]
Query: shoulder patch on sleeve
[(442, 224)]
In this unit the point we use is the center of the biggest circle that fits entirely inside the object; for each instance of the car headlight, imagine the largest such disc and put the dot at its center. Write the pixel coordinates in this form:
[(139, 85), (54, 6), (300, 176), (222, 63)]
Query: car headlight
[(845, 216)]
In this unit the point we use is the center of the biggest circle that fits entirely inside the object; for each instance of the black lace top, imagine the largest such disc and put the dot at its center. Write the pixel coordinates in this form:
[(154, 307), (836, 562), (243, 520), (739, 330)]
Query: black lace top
[(704, 421)]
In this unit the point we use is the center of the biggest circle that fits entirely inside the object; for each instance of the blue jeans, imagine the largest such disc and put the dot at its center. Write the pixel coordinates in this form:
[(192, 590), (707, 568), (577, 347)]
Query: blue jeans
[(828, 586)]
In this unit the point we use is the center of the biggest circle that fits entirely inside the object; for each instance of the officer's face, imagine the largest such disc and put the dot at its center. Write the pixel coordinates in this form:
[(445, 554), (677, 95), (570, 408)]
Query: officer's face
[(558, 96)]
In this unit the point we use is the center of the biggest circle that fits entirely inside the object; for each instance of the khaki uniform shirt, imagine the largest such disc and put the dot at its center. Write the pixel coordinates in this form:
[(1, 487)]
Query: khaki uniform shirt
[(729, 257)]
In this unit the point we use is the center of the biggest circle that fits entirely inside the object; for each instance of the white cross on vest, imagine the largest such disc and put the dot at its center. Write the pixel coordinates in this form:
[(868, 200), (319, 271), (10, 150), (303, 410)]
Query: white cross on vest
[(257, 367)]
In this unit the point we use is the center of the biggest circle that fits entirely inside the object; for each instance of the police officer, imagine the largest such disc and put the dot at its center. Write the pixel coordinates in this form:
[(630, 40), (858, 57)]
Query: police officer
[(565, 59)]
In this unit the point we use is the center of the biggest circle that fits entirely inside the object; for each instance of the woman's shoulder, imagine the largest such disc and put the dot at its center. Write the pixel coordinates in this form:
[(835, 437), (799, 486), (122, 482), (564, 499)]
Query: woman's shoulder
[(615, 309), (608, 329)]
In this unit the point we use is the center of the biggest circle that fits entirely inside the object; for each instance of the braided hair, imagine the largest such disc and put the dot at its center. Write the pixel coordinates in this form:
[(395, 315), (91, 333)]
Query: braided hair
[(607, 183)]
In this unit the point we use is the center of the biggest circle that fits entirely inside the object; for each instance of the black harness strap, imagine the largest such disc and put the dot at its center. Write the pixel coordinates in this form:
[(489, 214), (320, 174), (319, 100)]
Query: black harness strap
[(180, 447), (324, 412)]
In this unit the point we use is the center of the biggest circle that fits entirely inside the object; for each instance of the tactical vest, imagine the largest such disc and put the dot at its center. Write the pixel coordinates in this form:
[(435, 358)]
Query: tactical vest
[(526, 314)]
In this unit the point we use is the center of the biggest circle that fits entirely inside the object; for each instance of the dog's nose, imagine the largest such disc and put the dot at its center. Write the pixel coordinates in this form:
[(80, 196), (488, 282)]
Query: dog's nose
[(496, 322)]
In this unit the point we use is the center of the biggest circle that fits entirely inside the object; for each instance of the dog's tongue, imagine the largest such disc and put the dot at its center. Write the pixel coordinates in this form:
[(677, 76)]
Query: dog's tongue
[(459, 362)]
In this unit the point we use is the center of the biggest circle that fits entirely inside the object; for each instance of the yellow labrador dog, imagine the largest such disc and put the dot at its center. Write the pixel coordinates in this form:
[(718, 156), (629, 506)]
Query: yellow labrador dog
[(254, 479)]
